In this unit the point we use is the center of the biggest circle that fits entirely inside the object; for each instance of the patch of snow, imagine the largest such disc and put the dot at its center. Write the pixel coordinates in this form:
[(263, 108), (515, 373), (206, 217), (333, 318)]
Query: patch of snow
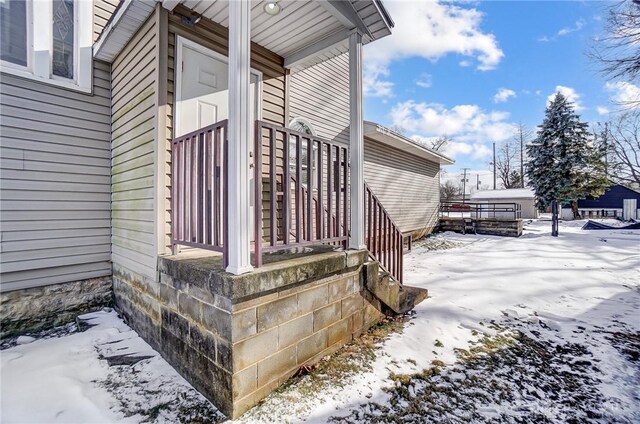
[(23, 340), (571, 293), (69, 380)]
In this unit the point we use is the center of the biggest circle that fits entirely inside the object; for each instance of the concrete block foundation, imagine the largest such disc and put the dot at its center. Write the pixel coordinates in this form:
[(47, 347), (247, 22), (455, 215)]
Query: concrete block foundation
[(237, 338)]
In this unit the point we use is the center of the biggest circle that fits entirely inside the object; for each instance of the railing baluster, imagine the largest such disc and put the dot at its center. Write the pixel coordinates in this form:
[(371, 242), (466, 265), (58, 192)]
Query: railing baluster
[(217, 178), (273, 188), (345, 178), (286, 200), (257, 206), (207, 221), (201, 189), (320, 214), (330, 228), (309, 196), (225, 201), (337, 184), (299, 198)]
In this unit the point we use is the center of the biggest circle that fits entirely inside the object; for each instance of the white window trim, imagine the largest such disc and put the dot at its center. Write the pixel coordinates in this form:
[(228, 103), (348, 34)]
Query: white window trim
[(40, 47)]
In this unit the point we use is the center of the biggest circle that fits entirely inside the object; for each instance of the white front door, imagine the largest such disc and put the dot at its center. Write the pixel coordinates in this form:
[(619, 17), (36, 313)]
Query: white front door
[(202, 91)]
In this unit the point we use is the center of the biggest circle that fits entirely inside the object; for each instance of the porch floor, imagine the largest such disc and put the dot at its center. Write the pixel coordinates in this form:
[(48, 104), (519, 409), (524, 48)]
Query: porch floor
[(212, 261)]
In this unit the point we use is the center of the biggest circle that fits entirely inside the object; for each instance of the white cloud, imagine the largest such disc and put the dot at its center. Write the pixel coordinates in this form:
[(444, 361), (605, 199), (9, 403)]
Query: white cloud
[(424, 81), (570, 93), (576, 27), (624, 93), (372, 83), (503, 95), (579, 24), (469, 126), (430, 30), (602, 110)]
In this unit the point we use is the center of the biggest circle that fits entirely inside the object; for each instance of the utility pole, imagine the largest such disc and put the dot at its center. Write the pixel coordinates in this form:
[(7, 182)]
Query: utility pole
[(521, 156), (464, 183), (494, 165)]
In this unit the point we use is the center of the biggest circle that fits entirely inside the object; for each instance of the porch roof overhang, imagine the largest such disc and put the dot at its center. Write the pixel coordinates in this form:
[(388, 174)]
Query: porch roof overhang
[(303, 33), (391, 138)]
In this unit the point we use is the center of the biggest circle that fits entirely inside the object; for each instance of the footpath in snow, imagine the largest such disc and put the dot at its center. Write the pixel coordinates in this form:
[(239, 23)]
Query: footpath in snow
[(534, 329)]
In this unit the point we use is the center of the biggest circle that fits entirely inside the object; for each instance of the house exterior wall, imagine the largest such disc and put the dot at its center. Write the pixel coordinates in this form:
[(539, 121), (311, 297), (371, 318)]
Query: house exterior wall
[(55, 219), (102, 11), (133, 154), (408, 186), (320, 94)]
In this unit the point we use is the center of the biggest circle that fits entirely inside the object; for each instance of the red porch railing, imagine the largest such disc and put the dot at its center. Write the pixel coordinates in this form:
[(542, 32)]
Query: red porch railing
[(384, 239), (301, 190), (198, 189), (301, 195)]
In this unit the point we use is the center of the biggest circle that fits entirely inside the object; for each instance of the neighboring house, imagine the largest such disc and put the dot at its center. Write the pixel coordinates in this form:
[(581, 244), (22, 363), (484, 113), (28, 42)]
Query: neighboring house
[(522, 196), (405, 176), (193, 155), (612, 203)]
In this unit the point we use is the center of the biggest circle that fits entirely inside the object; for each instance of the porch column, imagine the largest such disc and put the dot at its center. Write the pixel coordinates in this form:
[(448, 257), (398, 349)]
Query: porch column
[(356, 144), (240, 136)]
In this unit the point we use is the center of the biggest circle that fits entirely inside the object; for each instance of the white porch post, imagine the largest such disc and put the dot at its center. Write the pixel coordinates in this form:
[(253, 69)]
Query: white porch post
[(240, 136), (356, 146)]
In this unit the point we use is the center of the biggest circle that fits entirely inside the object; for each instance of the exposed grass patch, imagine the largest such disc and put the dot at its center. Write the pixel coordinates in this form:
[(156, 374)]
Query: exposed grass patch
[(509, 377)]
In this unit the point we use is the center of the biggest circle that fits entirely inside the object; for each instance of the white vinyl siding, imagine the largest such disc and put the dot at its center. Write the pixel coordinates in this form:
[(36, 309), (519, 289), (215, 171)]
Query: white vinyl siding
[(320, 94), (54, 176), (133, 161), (408, 186), (102, 11)]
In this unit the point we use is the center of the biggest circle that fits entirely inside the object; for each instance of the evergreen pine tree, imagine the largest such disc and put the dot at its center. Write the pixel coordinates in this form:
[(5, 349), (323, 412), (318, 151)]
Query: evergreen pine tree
[(565, 163)]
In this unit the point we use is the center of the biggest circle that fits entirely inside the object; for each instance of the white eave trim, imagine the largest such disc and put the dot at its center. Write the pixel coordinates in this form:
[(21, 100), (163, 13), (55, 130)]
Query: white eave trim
[(129, 17), (393, 139)]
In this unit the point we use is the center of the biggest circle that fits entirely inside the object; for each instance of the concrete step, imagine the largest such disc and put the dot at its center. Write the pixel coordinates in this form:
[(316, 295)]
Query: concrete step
[(397, 297)]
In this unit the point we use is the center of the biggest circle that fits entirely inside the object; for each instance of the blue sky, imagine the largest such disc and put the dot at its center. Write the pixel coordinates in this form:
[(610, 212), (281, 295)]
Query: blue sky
[(471, 70)]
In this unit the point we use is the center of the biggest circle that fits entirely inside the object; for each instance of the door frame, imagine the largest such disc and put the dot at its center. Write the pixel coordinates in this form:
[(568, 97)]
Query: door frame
[(181, 43)]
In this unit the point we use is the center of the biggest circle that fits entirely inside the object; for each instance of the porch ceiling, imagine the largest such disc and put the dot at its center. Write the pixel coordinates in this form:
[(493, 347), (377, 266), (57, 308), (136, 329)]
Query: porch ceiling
[(303, 33)]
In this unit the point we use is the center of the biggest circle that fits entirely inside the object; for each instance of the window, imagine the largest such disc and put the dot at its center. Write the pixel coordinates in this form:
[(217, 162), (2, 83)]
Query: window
[(48, 40), (63, 35), (303, 126), (13, 31)]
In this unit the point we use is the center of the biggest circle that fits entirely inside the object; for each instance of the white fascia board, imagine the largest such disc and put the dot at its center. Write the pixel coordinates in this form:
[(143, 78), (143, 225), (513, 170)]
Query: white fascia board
[(390, 138), (129, 17), (170, 4)]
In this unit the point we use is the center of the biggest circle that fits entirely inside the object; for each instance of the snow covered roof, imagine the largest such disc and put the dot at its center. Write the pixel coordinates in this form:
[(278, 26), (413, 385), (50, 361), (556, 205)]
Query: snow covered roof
[(510, 193)]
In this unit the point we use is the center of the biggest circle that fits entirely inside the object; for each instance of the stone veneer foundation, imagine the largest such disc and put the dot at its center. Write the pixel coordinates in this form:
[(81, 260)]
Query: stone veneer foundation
[(237, 338), (40, 308)]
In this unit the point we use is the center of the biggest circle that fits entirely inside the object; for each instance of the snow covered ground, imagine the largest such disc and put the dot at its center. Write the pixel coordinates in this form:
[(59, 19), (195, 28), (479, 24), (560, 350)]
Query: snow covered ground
[(534, 329)]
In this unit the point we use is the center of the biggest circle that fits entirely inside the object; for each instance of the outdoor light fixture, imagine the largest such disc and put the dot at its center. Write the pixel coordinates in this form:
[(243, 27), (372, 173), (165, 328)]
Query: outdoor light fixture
[(191, 20), (272, 8)]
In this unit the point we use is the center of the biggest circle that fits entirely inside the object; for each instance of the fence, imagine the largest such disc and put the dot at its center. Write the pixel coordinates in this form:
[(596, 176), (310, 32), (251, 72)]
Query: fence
[(384, 239), (301, 189), (198, 189), (481, 210)]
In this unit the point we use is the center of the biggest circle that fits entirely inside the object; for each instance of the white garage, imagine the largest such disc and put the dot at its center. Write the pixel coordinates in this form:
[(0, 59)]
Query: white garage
[(523, 196)]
